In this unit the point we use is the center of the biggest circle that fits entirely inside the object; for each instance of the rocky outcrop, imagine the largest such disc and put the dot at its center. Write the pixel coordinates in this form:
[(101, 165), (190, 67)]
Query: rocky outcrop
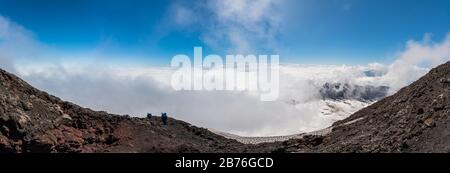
[(34, 121), (415, 119), (345, 91)]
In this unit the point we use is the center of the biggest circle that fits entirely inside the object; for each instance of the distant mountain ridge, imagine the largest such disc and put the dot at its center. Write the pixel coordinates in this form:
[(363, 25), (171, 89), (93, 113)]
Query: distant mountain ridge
[(415, 119), (345, 91)]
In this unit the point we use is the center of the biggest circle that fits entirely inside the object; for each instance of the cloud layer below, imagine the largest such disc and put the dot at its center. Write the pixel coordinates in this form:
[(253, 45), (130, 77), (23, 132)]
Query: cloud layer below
[(136, 90)]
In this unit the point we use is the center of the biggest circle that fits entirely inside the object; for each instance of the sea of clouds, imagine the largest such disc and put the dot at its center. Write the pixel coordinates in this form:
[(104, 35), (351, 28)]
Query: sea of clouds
[(136, 90)]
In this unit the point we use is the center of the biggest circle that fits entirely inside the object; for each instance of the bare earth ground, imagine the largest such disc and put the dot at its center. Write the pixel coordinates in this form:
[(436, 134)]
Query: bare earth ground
[(416, 119)]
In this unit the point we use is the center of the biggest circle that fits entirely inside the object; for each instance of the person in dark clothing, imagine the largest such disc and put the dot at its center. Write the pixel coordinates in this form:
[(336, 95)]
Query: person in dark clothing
[(164, 118), (149, 115)]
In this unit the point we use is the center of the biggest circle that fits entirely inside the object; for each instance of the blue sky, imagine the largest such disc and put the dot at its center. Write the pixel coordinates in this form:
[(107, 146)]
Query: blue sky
[(306, 31)]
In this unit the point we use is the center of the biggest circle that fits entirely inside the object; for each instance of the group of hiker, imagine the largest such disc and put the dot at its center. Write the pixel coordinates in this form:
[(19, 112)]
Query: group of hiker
[(163, 117)]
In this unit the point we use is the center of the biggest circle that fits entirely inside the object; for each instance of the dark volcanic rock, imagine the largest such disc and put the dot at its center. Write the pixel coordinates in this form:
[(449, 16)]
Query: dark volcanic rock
[(415, 119), (34, 121), (344, 91)]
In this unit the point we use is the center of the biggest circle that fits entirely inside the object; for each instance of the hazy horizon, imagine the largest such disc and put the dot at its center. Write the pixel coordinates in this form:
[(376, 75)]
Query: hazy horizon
[(115, 55)]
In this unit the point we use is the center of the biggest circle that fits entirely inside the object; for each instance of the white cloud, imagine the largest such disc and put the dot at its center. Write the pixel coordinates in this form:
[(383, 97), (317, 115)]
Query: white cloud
[(241, 26), (11, 31), (19, 46), (13, 38), (182, 16), (416, 60), (137, 90)]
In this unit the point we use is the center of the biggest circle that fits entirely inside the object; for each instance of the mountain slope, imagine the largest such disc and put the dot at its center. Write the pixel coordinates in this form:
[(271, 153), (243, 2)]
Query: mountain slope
[(34, 121), (415, 119)]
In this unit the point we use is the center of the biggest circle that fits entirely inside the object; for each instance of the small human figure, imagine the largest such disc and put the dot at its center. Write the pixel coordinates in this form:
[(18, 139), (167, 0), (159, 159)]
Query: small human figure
[(164, 118), (149, 115)]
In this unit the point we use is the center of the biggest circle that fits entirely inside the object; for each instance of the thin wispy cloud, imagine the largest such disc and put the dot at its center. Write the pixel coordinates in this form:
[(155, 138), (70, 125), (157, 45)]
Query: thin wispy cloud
[(229, 25), (417, 55), (242, 26), (14, 39)]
